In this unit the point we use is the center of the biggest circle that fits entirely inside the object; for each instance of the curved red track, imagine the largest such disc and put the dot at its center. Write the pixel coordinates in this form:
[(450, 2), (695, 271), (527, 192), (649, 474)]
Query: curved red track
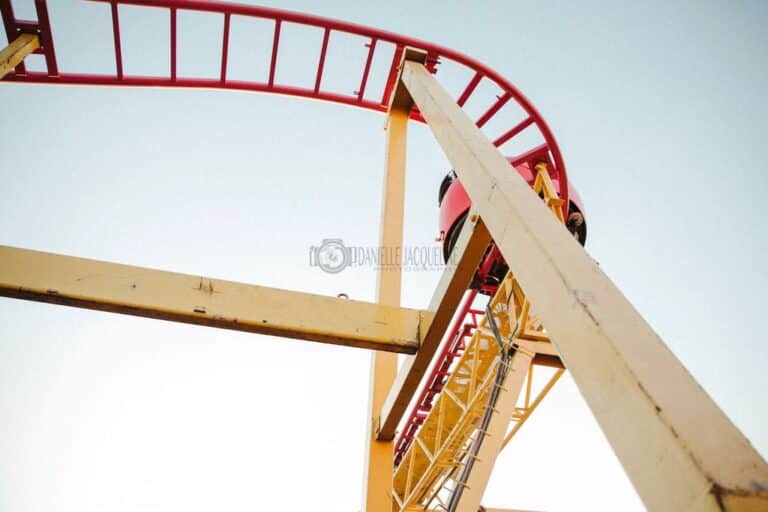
[(437, 55)]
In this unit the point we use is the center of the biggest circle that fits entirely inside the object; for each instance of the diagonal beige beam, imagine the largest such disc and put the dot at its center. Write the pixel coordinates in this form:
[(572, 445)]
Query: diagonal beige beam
[(470, 246), (104, 286), (13, 54), (678, 448)]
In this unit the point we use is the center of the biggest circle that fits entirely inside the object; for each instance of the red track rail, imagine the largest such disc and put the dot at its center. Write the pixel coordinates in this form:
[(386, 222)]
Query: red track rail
[(464, 324), (376, 39)]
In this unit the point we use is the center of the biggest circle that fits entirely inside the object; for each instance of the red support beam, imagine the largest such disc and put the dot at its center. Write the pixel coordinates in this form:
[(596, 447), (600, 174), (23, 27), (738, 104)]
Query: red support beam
[(173, 43), (500, 102), (118, 47), (225, 49), (275, 45), (522, 125), (321, 62), (364, 81), (471, 86)]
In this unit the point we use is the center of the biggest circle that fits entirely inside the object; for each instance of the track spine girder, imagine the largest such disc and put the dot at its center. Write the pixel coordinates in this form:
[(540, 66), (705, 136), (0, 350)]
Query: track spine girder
[(432, 468)]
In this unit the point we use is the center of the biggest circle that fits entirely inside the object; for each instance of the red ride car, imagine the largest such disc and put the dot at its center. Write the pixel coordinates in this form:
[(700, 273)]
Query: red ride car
[(454, 204)]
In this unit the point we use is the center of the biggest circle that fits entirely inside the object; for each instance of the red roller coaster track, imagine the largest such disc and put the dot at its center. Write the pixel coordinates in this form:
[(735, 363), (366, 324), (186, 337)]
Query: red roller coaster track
[(376, 40), (466, 319)]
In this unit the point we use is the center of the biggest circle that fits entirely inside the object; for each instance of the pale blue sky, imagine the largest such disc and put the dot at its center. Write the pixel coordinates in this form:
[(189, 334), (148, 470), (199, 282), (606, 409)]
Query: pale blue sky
[(658, 107)]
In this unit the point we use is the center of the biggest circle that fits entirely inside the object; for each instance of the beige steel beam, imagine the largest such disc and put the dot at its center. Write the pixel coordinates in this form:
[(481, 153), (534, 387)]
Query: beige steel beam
[(13, 54), (379, 458), (104, 286), (470, 247), (678, 448)]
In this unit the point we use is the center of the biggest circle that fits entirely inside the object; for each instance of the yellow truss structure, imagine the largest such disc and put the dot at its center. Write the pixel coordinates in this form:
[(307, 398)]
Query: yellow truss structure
[(678, 448), (434, 466), (442, 444)]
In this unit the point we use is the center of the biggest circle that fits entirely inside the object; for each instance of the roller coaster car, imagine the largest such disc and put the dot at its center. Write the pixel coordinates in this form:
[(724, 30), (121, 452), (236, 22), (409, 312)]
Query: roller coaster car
[(454, 204)]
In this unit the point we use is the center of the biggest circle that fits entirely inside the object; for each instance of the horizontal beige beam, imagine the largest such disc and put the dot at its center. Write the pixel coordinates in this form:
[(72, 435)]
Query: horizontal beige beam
[(13, 54), (104, 286), (678, 448), (470, 246)]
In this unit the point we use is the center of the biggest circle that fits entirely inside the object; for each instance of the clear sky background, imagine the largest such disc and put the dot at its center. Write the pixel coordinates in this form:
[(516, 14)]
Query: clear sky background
[(659, 108)]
